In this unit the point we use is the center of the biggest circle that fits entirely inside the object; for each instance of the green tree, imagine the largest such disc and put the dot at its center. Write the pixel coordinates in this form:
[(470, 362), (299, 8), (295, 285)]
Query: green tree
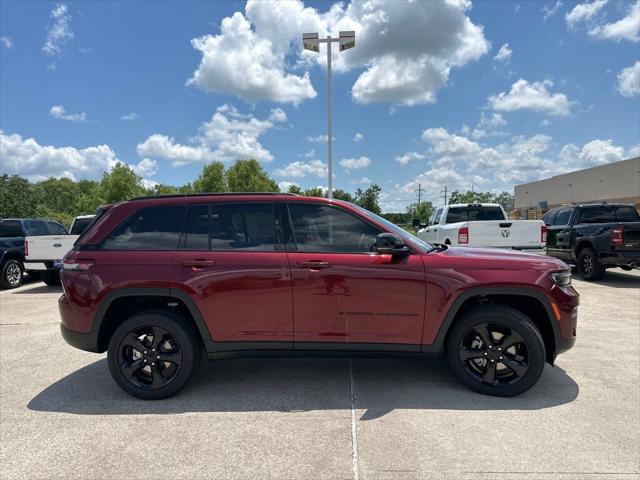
[(162, 189), (17, 197), (249, 176), (422, 211), (186, 188), (369, 198), (120, 184), (342, 195), (295, 189), (506, 200), (57, 195), (89, 197), (314, 192), (211, 179), (471, 197)]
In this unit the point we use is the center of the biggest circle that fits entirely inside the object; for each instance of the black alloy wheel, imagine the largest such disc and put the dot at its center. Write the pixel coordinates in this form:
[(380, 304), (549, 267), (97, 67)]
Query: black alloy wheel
[(589, 265), (496, 350), (153, 354)]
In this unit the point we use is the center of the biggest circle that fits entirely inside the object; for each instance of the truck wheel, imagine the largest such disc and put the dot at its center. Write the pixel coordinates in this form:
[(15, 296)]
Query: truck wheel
[(496, 350), (51, 277), (153, 354), (589, 265), (11, 274)]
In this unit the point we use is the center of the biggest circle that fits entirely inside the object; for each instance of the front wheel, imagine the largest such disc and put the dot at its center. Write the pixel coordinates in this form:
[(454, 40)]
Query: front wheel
[(153, 354), (496, 350), (589, 265)]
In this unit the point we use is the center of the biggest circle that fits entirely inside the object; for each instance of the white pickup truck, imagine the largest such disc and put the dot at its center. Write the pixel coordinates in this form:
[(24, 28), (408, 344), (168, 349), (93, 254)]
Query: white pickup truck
[(482, 225), (44, 253)]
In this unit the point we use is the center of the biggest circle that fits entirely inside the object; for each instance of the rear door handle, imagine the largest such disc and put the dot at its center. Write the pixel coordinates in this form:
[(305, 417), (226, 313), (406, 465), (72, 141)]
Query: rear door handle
[(197, 263), (314, 264)]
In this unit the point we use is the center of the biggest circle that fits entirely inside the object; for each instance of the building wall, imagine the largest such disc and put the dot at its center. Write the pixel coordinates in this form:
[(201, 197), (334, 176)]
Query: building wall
[(613, 182)]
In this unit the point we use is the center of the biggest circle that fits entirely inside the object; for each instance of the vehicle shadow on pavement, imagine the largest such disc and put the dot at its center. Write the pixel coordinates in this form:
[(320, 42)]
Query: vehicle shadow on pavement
[(301, 385), (619, 279), (39, 289)]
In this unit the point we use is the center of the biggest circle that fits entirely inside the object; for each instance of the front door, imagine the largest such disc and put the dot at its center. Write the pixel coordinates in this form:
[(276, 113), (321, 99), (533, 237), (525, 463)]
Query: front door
[(233, 265), (559, 235), (343, 292)]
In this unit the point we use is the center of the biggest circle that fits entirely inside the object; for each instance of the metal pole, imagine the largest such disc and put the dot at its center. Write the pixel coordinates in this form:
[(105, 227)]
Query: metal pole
[(330, 126)]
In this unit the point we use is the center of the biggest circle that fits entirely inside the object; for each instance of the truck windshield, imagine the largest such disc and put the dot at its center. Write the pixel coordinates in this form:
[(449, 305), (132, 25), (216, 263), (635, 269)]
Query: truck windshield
[(474, 214)]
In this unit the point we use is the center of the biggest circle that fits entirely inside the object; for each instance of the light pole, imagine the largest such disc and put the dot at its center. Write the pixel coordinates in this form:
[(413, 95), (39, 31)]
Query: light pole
[(312, 42)]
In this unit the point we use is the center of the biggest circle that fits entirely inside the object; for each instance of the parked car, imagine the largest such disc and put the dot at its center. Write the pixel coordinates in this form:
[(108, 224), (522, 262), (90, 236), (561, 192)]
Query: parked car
[(12, 234), (481, 225), (43, 253), (154, 281), (594, 237)]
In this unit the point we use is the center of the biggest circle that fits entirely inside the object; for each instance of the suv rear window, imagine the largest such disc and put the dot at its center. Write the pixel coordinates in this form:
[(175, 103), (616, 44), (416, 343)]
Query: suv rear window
[(10, 228), (153, 228), (474, 214)]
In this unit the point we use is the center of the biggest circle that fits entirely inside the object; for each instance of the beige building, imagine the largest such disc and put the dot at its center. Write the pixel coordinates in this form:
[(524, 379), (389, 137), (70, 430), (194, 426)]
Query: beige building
[(613, 182)]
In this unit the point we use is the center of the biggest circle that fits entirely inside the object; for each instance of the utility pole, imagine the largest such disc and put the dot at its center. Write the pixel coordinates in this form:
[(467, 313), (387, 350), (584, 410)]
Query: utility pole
[(311, 41), (419, 190), (445, 195)]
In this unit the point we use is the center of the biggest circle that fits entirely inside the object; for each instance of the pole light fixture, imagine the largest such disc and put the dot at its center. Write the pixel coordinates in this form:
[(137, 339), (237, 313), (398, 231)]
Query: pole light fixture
[(312, 41)]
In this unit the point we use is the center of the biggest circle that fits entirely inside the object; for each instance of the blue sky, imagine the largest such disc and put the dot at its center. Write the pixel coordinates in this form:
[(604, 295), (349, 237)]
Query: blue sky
[(456, 94)]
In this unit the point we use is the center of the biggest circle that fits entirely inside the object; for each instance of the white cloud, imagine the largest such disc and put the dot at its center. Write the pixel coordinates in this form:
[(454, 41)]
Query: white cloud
[(584, 12), (358, 137), (284, 185), (278, 115), (629, 80), (301, 169), (58, 111), (145, 167), (595, 152), (531, 96), (504, 54), (489, 126), (310, 154), (551, 11), (130, 116), (7, 42), (26, 157), (446, 144), (406, 48), (229, 135), (409, 157), (59, 31), (148, 184), (627, 28), (355, 163), (318, 139), (361, 181)]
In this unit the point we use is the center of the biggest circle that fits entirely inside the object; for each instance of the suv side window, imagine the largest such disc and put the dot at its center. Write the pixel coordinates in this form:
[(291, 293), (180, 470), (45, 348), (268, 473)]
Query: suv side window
[(56, 229), (243, 227), (196, 228), (563, 217), (323, 228), (152, 228), (436, 219)]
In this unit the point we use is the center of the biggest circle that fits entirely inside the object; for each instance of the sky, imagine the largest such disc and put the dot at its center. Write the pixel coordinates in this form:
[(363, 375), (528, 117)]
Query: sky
[(483, 95)]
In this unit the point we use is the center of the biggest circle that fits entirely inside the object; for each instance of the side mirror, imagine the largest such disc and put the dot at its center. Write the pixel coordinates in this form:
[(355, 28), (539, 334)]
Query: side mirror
[(390, 243), (417, 225)]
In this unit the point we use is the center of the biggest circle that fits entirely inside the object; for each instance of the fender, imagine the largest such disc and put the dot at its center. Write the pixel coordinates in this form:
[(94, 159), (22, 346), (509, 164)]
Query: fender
[(437, 347)]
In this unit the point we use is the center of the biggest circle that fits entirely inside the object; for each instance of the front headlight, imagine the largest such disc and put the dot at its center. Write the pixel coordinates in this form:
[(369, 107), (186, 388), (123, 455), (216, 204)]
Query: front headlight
[(562, 279)]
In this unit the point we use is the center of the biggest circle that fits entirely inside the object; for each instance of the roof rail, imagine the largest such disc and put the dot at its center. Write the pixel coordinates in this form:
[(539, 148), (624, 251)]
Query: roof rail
[(212, 194)]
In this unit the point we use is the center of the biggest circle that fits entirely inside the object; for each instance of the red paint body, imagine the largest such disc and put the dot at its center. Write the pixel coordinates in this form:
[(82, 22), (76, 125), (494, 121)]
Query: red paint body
[(280, 296)]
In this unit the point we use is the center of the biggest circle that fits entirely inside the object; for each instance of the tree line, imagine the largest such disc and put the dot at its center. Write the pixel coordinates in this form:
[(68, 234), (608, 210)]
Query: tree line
[(63, 199)]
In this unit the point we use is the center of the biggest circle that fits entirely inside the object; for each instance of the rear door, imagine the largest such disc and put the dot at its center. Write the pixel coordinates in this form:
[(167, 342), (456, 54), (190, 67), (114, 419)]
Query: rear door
[(232, 264), (343, 292)]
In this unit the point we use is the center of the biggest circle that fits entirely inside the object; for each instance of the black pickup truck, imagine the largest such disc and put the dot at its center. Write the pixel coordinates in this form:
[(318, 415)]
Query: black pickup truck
[(594, 237)]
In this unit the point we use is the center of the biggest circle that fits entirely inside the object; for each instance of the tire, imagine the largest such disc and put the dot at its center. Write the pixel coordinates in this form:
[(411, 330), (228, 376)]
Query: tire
[(626, 268), (133, 347), (515, 368), (589, 266), (11, 274), (51, 277)]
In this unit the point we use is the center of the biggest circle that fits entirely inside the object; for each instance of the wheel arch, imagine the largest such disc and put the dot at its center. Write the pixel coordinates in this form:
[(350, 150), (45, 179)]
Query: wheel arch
[(121, 304), (532, 303)]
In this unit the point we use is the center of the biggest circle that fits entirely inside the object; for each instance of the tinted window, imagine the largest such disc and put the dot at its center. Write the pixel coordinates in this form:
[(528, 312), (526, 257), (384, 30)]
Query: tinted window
[(80, 225), (38, 227), (10, 228), (321, 228), (597, 215), (627, 214), (436, 219), (154, 228), (474, 214), (197, 228), (243, 227), (56, 229), (549, 217), (563, 217)]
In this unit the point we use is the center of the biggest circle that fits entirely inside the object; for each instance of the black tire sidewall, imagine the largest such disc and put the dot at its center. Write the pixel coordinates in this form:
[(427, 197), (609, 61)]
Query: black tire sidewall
[(597, 271), (179, 328), (513, 319), (4, 283), (51, 278)]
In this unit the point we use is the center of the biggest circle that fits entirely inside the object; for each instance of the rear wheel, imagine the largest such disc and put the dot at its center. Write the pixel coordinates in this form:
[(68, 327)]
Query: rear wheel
[(153, 354), (11, 274), (51, 277), (496, 350), (589, 265)]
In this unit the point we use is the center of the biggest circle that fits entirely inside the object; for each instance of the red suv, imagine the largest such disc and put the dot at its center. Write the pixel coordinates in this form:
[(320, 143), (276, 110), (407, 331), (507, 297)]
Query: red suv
[(157, 280)]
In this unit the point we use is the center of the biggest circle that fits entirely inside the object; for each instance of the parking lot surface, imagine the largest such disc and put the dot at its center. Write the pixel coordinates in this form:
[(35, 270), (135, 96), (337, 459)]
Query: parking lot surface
[(61, 415)]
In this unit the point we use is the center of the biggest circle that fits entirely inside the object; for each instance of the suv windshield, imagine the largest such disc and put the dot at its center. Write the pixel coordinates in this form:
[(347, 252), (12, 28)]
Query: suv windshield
[(421, 244)]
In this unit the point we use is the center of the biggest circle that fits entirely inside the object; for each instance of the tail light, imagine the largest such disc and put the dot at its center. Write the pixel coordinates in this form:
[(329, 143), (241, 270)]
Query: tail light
[(77, 264), (463, 235), (543, 234), (617, 237), (26, 248)]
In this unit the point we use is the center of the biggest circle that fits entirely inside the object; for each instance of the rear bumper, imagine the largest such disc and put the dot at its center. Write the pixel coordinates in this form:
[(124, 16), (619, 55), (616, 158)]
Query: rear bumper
[(39, 266), (83, 341), (620, 258)]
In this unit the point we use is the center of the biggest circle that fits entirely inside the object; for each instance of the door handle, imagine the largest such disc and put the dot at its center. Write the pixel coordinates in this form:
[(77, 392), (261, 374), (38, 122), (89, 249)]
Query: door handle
[(314, 264), (197, 263)]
